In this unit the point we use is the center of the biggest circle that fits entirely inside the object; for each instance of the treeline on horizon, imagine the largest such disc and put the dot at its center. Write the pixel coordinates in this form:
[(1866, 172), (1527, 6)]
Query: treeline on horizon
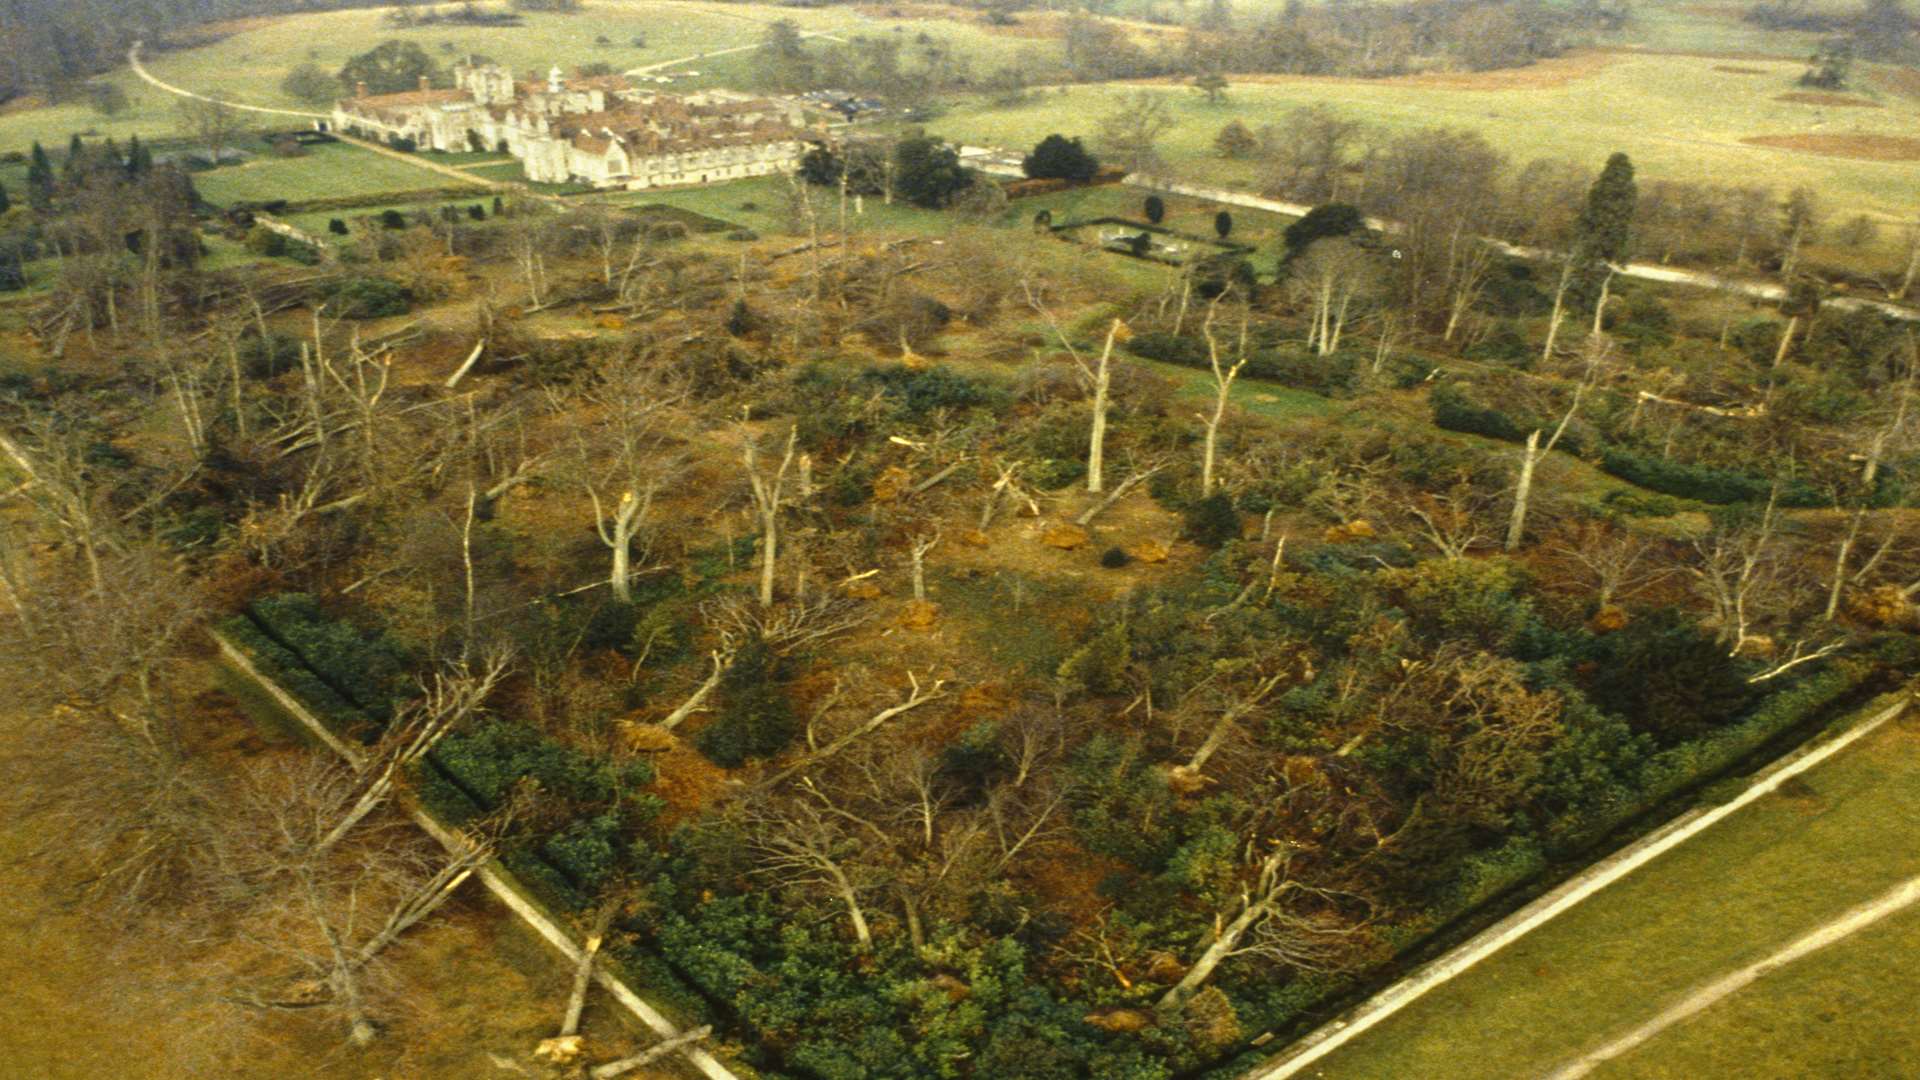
[(51, 47)]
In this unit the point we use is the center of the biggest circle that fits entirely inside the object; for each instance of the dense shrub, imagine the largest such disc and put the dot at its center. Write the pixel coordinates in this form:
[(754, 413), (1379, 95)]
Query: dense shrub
[(755, 718), (1213, 520), (1454, 411), (919, 391), (1331, 219), (368, 298), (368, 669), (264, 241), (1706, 483)]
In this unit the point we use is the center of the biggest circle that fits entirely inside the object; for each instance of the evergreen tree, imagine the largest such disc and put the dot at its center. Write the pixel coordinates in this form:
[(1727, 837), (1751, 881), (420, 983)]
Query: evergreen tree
[(1156, 209), (1223, 224), (6, 203), (927, 172), (1604, 231), (76, 157), (1329, 219), (1060, 158), (13, 271), (139, 158), (40, 180)]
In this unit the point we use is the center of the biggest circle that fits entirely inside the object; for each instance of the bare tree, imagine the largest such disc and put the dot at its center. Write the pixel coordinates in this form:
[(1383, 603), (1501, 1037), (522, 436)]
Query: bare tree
[(1452, 519), (1277, 917), (1913, 262), (799, 842), (328, 912), (448, 699), (1618, 562), (767, 491), (1800, 217), (922, 544), (1330, 276), (529, 236), (213, 124), (1131, 131), (1598, 351)]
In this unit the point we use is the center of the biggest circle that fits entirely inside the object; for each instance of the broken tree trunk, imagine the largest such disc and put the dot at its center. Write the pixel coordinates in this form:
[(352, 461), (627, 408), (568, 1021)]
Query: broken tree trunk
[(626, 1065), (472, 358), (1115, 496), (583, 972), (721, 658)]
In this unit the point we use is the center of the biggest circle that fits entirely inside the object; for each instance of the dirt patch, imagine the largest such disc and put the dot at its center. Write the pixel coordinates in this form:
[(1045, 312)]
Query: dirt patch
[(1801, 796), (1717, 11), (1905, 81), (1734, 69), (1839, 100), (1858, 147)]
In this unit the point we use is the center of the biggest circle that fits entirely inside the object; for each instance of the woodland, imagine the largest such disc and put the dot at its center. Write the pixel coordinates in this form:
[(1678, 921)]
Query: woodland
[(938, 653)]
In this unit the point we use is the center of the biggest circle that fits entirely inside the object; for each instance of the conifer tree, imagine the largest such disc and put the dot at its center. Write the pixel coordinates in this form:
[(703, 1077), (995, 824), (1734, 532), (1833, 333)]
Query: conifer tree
[(40, 180), (76, 157), (139, 158), (1604, 232), (6, 203)]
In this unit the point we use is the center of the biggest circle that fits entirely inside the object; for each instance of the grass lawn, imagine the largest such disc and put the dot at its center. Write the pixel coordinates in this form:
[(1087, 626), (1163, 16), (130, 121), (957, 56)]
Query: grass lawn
[(1677, 116), (763, 204), (315, 221), (1731, 896), (511, 171), (1831, 1014), (332, 169), (250, 65)]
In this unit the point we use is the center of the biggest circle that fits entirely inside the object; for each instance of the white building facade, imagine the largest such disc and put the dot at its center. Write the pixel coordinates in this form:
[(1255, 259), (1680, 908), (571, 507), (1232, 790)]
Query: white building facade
[(600, 131)]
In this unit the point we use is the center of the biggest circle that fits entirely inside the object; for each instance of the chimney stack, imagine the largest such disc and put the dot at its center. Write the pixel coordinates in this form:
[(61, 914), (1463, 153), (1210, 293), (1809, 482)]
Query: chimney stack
[(360, 89)]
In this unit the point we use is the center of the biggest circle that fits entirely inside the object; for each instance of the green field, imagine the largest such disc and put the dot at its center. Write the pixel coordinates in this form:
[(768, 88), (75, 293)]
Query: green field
[(1677, 116), (1731, 896), (249, 65), (330, 170), (1826, 1015), (1658, 25)]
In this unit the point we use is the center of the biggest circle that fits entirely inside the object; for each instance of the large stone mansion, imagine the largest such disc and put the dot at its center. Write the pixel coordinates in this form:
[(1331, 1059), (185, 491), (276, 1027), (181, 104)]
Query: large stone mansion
[(601, 130)]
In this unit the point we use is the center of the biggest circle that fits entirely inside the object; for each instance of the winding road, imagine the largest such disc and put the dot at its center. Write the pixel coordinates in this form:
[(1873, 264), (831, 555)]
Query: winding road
[(1758, 290)]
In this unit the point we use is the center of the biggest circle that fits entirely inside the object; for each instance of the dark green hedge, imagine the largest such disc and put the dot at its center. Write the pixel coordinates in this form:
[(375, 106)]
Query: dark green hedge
[(1706, 483), (369, 670)]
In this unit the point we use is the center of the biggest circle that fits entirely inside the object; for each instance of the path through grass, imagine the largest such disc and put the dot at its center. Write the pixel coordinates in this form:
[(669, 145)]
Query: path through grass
[(1771, 872)]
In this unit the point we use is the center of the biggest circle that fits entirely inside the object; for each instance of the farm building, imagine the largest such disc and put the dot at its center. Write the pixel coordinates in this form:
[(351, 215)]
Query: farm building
[(603, 130)]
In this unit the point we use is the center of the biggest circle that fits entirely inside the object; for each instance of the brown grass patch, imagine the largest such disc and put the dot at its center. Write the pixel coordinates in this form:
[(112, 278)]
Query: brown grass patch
[(1858, 147), (1031, 25), (1735, 69), (1900, 80), (1541, 75), (1843, 100)]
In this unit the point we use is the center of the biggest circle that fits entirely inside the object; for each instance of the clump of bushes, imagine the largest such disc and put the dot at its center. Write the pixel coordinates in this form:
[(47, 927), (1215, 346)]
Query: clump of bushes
[(368, 298), (1213, 520), (1706, 483), (755, 718), (264, 241)]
